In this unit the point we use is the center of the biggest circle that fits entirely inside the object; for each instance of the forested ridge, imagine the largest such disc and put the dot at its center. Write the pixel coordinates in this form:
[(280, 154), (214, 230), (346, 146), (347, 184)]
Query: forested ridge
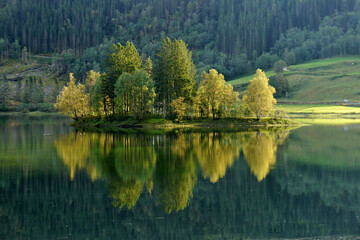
[(228, 35)]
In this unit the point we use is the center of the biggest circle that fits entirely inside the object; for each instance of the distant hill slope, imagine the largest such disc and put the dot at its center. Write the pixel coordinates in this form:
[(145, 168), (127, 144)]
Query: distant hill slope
[(330, 80), (16, 73)]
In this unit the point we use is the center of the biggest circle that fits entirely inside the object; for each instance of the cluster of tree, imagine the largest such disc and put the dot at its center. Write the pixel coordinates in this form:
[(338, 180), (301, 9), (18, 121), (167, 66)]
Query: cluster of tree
[(128, 89), (5, 91), (336, 35), (279, 82), (33, 91), (228, 35), (9, 49), (27, 95)]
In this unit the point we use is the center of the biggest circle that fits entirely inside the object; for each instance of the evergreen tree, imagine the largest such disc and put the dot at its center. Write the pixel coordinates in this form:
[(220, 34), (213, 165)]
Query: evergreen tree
[(123, 59), (149, 66), (18, 92), (174, 73), (26, 96), (40, 91), (106, 94), (4, 90), (55, 90)]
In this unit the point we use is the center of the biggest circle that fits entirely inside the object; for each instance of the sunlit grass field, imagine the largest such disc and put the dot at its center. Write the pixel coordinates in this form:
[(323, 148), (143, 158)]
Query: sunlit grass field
[(322, 114), (325, 62), (325, 81), (247, 78), (320, 109)]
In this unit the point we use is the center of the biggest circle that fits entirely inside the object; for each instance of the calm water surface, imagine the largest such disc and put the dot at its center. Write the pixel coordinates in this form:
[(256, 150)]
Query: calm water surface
[(58, 183)]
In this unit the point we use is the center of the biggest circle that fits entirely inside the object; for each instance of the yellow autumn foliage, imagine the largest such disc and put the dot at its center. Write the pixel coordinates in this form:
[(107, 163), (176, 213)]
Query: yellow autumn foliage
[(213, 95), (73, 100), (259, 95)]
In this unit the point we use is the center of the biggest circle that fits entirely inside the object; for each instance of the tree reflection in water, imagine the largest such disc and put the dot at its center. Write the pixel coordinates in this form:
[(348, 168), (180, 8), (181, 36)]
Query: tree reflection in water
[(166, 164)]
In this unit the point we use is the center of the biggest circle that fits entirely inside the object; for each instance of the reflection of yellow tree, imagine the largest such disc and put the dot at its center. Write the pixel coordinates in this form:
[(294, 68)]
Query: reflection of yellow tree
[(74, 149), (216, 152), (260, 151)]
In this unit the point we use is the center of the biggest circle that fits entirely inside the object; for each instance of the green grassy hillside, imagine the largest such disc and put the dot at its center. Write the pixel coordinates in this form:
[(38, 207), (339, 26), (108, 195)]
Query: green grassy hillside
[(39, 67), (330, 80)]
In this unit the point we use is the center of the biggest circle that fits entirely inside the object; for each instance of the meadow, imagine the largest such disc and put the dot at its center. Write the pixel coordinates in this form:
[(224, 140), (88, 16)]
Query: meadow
[(325, 81), (322, 114)]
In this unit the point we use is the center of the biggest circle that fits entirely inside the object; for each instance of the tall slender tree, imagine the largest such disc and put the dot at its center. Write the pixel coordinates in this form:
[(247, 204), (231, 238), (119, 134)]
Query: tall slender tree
[(174, 73), (122, 59)]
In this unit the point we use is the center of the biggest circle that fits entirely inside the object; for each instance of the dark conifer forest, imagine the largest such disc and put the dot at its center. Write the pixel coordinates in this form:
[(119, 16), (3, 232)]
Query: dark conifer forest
[(232, 36)]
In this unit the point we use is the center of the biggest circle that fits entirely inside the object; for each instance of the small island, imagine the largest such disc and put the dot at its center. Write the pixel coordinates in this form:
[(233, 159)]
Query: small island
[(167, 95)]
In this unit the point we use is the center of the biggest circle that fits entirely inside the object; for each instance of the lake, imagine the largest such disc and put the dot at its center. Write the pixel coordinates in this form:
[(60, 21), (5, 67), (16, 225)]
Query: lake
[(59, 183)]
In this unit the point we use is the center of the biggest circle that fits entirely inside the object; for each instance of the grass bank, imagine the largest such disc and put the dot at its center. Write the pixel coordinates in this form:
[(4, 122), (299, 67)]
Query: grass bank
[(162, 123), (32, 114)]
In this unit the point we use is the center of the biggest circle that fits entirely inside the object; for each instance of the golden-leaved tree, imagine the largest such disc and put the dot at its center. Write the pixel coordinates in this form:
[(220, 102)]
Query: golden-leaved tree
[(73, 100), (179, 107), (259, 95), (214, 95)]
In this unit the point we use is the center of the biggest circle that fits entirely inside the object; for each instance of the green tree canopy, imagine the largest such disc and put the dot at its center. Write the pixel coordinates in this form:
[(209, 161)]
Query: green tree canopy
[(135, 93), (122, 59), (174, 72), (213, 94), (279, 66)]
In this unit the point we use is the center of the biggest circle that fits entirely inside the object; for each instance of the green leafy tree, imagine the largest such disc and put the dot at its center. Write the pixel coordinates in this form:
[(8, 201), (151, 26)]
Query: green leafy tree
[(259, 95), (135, 93), (91, 78), (174, 73), (93, 87), (290, 57), (106, 94), (123, 59), (148, 66), (279, 66), (179, 107), (281, 85)]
